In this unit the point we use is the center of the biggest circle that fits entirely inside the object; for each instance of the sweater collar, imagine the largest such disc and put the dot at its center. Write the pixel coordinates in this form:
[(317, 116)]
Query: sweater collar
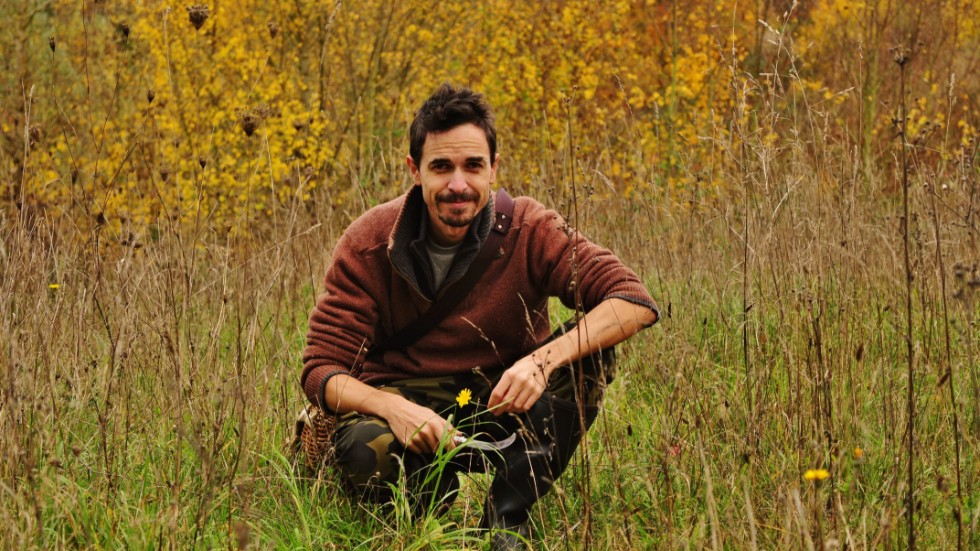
[(406, 243)]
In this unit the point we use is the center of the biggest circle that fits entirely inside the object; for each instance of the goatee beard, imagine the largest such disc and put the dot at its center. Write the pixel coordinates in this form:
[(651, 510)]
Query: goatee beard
[(456, 219)]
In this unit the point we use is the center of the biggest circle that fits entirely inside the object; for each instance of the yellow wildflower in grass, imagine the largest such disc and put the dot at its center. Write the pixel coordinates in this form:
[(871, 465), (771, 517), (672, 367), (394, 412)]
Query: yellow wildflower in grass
[(816, 474), (464, 397), (54, 286), (858, 453)]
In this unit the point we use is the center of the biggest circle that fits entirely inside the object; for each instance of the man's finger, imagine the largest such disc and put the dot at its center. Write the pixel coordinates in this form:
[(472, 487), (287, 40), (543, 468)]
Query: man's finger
[(498, 394), (412, 445)]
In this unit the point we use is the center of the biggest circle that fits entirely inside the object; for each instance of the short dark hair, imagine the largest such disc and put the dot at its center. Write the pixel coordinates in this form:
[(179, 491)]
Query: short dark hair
[(448, 107)]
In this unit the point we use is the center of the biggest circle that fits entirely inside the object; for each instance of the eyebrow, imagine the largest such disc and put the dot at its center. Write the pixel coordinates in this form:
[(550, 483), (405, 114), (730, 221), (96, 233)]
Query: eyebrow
[(476, 159)]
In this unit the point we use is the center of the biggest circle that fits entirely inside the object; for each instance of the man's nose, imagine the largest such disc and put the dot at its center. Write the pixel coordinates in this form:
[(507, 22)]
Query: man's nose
[(457, 182)]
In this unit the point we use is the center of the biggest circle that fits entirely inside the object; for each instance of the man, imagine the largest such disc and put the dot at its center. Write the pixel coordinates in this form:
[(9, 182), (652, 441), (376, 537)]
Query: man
[(491, 367)]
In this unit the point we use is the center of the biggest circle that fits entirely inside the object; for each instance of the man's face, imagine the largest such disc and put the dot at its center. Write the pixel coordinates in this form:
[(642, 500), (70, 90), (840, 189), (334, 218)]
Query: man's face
[(455, 173)]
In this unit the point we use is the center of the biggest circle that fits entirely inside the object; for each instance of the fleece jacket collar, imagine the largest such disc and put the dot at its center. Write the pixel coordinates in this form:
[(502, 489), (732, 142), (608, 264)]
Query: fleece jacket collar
[(406, 244)]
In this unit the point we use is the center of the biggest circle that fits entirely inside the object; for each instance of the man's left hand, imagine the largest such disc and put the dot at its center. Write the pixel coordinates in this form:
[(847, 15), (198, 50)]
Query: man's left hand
[(519, 387)]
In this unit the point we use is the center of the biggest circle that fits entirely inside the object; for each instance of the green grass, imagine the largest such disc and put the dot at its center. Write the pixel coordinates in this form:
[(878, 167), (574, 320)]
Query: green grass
[(138, 422)]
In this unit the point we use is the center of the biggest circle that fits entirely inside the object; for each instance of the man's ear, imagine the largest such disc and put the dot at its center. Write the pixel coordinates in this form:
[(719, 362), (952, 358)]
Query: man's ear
[(416, 175)]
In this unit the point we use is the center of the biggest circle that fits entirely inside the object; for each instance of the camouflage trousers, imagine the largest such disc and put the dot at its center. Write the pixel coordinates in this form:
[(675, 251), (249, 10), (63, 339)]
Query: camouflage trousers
[(370, 459)]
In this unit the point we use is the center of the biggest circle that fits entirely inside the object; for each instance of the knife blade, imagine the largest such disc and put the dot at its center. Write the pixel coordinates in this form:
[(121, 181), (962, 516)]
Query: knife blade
[(483, 445)]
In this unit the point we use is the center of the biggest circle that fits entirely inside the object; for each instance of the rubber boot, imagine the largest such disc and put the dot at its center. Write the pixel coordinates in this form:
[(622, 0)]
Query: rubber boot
[(552, 430)]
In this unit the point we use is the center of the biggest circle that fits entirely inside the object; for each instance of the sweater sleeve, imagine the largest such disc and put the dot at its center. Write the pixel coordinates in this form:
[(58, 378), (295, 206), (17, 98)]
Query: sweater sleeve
[(343, 321), (579, 272)]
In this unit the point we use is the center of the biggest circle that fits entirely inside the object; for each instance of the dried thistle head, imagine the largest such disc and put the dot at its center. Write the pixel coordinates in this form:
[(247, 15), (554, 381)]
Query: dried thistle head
[(273, 29), (198, 14), (33, 135), (925, 132), (51, 43), (265, 111), (164, 173), (249, 123), (203, 161), (123, 29), (901, 54), (150, 94), (959, 270)]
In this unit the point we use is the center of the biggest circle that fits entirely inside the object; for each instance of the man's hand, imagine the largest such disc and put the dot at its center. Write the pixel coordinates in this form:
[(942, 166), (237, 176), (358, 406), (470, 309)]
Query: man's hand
[(418, 428), (519, 387), (611, 322)]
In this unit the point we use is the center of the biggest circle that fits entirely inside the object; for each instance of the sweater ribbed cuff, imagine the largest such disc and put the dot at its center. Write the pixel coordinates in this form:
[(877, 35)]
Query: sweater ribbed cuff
[(639, 302), (316, 385)]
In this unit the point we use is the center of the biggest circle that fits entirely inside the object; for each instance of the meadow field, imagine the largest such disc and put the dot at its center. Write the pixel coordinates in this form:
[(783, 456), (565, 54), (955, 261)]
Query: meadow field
[(797, 183)]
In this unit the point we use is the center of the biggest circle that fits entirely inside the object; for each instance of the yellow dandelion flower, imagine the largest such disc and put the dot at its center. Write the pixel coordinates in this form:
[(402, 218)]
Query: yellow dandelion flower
[(464, 397), (858, 453), (816, 474), (54, 286)]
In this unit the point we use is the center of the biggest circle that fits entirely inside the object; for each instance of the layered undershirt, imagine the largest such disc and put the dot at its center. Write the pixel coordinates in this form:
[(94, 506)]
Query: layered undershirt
[(441, 259)]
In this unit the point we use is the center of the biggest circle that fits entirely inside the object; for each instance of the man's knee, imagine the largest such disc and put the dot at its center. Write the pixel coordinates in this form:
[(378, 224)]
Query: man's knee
[(366, 452)]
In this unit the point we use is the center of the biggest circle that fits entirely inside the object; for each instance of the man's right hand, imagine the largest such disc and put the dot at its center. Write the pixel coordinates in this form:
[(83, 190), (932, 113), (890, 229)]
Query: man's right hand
[(416, 427)]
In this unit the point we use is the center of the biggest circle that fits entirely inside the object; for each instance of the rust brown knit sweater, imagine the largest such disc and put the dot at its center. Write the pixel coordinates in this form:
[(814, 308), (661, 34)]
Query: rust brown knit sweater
[(376, 285)]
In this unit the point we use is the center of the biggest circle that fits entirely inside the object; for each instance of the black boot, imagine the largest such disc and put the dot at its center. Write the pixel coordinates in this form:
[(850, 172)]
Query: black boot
[(551, 431)]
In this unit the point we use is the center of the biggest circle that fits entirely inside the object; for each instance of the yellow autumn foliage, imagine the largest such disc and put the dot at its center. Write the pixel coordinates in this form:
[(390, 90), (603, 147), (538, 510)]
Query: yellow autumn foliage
[(126, 115)]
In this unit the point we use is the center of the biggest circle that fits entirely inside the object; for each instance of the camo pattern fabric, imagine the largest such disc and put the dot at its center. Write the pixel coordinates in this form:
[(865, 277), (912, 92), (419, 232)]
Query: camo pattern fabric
[(369, 457)]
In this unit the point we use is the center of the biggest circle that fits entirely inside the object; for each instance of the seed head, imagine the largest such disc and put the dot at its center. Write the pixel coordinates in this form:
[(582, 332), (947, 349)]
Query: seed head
[(150, 94), (33, 135), (198, 14), (123, 29), (203, 161), (901, 55), (273, 29), (51, 43), (249, 123), (264, 111), (164, 173)]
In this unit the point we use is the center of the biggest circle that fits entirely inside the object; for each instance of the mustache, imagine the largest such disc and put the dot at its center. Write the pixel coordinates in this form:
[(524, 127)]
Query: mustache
[(457, 197)]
